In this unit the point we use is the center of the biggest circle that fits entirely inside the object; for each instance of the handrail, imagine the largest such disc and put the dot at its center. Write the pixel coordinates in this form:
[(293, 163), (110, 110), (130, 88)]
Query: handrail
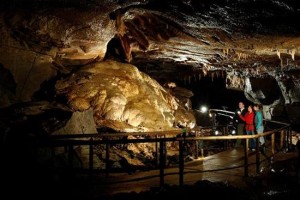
[(145, 140), (277, 122), (118, 134), (222, 111), (108, 139), (230, 112)]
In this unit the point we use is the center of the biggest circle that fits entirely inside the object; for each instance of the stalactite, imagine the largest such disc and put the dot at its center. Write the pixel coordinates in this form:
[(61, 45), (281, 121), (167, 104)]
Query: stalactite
[(190, 80), (199, 76), (239, 55), (244, 55), (278, 54), (212, 76), (184, 80), (218, 74), (292, 52), (204, 70), (281, 64), (226, 52)]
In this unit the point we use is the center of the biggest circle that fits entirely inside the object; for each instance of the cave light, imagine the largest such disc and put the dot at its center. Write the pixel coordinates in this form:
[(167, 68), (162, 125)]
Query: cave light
[(203, 109)]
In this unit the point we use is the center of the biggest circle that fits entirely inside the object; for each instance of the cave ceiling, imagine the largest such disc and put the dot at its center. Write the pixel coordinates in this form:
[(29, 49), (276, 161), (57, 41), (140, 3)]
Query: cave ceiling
[(250, 42), (166, 38)]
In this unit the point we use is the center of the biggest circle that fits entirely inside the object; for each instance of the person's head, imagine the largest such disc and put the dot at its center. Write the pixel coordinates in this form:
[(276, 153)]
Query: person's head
[(257, 107), (250, 109), (241, 105)]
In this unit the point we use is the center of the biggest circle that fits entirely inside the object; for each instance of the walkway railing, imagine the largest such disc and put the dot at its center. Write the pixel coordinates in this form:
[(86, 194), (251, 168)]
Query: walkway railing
[(68, 142)]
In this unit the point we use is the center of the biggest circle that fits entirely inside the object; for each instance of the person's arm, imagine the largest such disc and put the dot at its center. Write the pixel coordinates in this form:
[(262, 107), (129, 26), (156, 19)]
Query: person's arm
[(242, 117)]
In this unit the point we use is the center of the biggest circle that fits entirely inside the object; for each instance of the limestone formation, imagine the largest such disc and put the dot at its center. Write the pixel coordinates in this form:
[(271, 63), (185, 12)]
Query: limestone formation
[(122, 97)]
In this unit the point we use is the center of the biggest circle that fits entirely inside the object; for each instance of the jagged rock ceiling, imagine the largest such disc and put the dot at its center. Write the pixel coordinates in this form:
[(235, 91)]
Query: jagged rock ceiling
[(249, 41), (249, 35)]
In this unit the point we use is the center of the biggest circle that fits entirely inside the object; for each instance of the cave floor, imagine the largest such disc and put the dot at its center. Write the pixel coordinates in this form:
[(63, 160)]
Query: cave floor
[(225, 166)]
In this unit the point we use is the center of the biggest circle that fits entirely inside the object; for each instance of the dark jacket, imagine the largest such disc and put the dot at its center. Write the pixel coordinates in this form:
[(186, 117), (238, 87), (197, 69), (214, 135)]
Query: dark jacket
[(236, 119)]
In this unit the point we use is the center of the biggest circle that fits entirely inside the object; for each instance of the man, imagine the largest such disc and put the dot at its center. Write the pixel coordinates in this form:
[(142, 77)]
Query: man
[(239, 123)]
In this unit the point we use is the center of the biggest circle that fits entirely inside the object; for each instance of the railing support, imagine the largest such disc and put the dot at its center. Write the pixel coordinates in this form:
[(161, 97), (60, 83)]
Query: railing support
[(181, 163), (273, 144), (257, 156), (281, 145), (156, 152), (91, 155), (196, 149), (161, 163), (107, 160), (70, 156), (246, 158)]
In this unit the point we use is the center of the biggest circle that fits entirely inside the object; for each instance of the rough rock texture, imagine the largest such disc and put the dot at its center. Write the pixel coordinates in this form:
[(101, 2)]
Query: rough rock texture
[(173, 41), (123, 98), (79, 123), (255, 44), (38, 118)]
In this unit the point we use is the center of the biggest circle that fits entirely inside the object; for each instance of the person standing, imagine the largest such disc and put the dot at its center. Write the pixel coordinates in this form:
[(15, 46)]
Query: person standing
[(258, 121), (249, 126), (239, 123)]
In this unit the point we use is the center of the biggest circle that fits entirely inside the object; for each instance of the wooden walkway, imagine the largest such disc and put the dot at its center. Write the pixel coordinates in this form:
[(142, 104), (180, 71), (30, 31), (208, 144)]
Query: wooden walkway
[(226, 166)]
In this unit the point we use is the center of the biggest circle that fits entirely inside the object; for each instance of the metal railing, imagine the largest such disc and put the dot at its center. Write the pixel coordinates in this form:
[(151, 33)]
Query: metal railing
[(68, 142)]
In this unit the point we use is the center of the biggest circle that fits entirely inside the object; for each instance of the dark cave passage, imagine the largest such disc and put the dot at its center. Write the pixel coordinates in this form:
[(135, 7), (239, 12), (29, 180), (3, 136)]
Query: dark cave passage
[(214, 94)]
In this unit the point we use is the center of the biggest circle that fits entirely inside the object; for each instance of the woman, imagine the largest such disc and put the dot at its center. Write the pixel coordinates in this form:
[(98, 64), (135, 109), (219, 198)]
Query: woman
[(249, 126), (259, 127)]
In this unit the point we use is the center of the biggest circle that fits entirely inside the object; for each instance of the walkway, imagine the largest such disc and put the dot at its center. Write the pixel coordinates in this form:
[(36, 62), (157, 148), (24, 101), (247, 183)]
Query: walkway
[(226, 166)]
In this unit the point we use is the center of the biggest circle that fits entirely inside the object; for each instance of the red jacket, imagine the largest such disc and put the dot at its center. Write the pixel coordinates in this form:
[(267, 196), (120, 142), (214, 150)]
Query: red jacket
[(249, 119)]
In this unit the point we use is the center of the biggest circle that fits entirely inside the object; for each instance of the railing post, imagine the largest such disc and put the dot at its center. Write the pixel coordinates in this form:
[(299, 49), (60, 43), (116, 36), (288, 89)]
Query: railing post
[(281, 139), (290, 138), (70, 156), (246, 158), (65, 148), (107, 159), (257, 156), (162, 162), (156, 151), (196, 149), (181, 163), (91, 155), (273, 143)]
